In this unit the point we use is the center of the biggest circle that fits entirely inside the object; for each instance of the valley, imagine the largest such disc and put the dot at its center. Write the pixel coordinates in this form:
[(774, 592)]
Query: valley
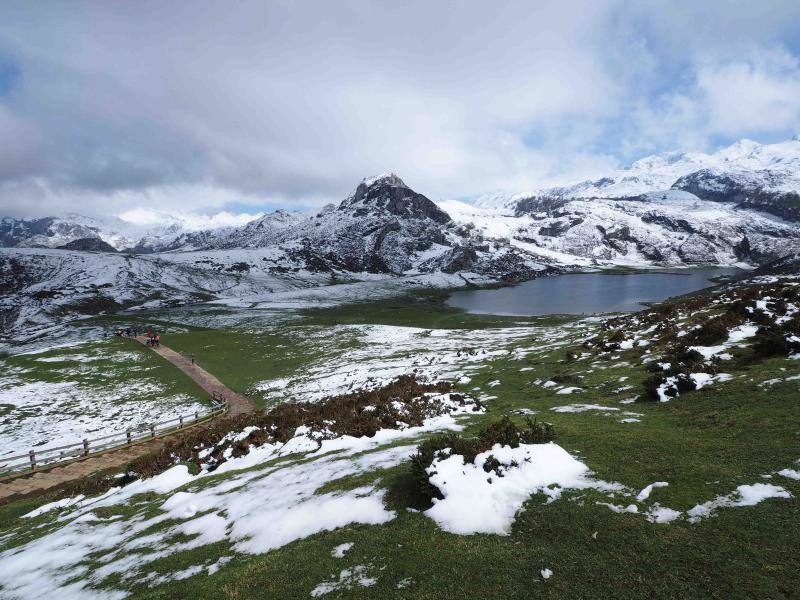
[(661, 492)]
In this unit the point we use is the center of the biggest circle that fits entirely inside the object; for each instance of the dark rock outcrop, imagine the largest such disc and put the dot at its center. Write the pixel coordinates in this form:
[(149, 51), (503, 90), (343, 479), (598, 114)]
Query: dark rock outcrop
[(90, 244)]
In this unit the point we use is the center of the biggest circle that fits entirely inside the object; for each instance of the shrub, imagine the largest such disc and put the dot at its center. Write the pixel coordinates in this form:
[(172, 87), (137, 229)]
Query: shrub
[(790, 293), (682, 362), (792, 326), (676, 384), (617, 336), (688, 358), (769, 342), (759, 317), (739, 308), (651, 385), (715, 330)]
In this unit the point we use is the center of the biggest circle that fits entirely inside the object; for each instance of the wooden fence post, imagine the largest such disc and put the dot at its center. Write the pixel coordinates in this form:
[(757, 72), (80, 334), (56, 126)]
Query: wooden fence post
[(86, 447), (128, 435), (32, 456)]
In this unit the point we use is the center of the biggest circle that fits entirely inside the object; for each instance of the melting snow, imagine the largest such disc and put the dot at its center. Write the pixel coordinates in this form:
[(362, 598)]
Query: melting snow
[(479, 502), (744, 495), (341, 550)]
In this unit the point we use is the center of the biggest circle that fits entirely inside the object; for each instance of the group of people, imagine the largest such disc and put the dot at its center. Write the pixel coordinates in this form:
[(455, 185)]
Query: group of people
[(128, 332), (153, 339)]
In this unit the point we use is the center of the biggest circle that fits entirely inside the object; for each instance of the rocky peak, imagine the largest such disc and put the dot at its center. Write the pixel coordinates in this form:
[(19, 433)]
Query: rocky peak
[(389, 194), (384, 179)]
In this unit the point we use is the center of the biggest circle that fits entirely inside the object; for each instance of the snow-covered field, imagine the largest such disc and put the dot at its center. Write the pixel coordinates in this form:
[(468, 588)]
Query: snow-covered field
[(259, 506), (63, 396), (193, 525), (383, 352)]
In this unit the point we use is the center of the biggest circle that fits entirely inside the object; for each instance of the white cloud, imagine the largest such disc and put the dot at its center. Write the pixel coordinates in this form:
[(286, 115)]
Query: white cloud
[(755, 94), (761, 95), (293, 103)]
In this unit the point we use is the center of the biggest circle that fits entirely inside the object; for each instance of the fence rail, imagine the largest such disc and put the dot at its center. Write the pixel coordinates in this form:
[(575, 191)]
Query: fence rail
[(37, 459)]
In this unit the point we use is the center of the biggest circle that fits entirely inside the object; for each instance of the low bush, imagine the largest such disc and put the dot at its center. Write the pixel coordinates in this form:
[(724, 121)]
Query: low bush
[(565, 379), (792, 326), (716, 329), (675, 385), (790, 293), (759, 317), (358, 414), (683, 362), (770, 341)]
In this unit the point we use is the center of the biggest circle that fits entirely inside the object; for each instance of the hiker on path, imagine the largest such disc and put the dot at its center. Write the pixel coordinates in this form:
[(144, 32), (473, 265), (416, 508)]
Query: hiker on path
[(192, 357), (158, 340)]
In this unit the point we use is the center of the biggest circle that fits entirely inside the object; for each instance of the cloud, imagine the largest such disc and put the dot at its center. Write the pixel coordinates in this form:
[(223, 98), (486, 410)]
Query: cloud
[(292, 103), (752, 96), (761, 95), (19, 146)]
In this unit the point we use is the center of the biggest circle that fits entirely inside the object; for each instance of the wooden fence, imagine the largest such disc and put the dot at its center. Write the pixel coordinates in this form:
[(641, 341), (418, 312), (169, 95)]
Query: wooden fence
[(49, 457)]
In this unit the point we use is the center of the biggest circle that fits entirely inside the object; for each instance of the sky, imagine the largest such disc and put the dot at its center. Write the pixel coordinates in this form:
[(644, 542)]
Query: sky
[(203, 107)]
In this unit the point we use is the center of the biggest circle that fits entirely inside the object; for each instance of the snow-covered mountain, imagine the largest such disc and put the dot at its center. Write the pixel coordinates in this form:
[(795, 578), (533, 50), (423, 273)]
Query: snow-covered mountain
[(669, 228), (383, 227), (383, 230), (119, 234), (739, 205), (770, 167)]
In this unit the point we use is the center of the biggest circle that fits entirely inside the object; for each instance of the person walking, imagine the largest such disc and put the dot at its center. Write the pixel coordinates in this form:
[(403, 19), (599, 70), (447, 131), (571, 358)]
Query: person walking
[(191, 356)]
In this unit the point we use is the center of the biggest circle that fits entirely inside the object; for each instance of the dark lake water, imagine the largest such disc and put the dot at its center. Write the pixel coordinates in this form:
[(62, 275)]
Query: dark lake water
[(586, 292)]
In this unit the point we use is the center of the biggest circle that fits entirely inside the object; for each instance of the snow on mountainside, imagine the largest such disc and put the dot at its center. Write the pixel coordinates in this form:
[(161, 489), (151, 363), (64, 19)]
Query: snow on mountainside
[(383, 227), (737, 205), (40, 286), (255, 234), (770, 167), (156, 233), (382, 231), (663, 228)]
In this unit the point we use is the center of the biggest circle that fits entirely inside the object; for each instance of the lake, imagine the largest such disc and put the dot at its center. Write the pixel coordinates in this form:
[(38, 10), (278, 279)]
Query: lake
[(586, 292)]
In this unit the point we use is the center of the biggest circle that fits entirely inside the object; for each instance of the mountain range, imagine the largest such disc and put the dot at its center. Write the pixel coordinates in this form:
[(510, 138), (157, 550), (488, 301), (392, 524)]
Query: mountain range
[(737, 206)]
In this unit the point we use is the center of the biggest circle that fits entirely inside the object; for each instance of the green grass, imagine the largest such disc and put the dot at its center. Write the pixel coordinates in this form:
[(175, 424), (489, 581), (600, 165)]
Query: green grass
[(246, 356), (104, 369), (427, 310), (704, 443)]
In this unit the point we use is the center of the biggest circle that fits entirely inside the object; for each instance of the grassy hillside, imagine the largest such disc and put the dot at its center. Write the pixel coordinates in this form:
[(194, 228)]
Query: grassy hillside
[(266, 524)]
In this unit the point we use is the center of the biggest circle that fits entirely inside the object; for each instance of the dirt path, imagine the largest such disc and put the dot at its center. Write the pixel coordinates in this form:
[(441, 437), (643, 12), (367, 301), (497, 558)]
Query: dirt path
[(56, 476), (238, 403), (41, 481)]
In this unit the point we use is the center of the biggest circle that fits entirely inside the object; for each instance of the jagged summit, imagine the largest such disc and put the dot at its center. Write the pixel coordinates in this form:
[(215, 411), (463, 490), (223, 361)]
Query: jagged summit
[(390, 179), (388, 193)]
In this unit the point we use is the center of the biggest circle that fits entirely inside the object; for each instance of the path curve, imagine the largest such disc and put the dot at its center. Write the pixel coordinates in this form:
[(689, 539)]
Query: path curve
[(238, 404), (56, 476)]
